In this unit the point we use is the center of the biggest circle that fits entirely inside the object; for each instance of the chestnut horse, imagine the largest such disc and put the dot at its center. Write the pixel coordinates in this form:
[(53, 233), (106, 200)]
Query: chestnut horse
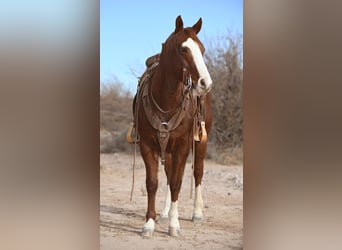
[(172, 99)]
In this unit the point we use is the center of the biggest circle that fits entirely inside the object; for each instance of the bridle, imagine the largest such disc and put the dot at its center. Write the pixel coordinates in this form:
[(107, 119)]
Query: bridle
[(187, 80)]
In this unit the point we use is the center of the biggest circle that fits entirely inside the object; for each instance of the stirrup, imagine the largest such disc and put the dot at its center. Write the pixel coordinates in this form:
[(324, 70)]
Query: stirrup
[(130, 136), (204, 135), (200, 133), (196, 134)]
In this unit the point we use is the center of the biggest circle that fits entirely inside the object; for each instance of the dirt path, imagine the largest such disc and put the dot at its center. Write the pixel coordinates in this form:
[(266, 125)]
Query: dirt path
[(121, 220)]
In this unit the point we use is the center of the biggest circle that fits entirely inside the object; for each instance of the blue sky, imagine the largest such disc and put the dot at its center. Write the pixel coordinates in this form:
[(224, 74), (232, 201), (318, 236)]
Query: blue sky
[(131, 31)]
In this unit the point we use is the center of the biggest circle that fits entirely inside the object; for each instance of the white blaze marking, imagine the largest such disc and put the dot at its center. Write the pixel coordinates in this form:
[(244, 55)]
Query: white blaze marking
[(173, 215), (198, 201), (198, 60), (167, 203)]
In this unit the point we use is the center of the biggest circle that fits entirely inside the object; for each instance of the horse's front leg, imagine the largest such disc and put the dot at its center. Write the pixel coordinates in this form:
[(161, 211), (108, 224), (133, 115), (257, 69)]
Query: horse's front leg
[(176, 176), (200, 151), (151, 166)]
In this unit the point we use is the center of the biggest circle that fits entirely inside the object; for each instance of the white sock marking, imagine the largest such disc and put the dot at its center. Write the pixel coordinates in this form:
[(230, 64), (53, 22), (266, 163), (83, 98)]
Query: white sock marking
[(166, 210), (198, 204), (149, 224), (173, 215)]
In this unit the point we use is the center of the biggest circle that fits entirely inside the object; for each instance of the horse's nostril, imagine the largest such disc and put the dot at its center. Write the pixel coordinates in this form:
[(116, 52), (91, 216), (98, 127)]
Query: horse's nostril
[(202, 82)]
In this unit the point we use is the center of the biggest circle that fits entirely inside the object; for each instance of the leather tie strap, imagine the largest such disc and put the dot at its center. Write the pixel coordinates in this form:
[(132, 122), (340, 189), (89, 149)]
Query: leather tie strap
[(163, 138)]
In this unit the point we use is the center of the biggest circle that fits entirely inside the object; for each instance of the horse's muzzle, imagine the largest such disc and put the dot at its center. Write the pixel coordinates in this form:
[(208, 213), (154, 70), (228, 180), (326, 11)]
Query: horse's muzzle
[(204, 85)]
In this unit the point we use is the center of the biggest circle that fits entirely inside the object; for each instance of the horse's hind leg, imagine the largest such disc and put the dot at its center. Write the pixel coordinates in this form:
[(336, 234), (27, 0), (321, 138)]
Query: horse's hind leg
[(200, 150), (164, 215), (151, 165)]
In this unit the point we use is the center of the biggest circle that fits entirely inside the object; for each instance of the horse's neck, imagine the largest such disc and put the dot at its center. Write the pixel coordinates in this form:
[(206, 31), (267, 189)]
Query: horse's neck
[(166, 89)]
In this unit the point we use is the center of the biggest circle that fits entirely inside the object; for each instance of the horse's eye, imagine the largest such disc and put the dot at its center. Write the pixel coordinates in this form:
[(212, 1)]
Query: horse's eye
[(183, 50)]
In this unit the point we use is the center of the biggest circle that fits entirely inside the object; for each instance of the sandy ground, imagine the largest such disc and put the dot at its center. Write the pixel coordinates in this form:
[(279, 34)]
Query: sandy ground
[(121, 220)]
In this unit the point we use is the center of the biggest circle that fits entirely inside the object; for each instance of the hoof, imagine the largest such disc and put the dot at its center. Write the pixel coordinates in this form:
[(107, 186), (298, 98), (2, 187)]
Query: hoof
[(174, 232), (163, 219), (197, 218), (146, 233)]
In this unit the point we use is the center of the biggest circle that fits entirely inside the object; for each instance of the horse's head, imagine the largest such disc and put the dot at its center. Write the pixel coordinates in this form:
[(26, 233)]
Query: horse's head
[(185, 50)]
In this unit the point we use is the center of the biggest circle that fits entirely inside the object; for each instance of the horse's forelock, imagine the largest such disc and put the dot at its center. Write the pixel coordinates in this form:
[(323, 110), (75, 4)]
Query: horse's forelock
[(181, 36)]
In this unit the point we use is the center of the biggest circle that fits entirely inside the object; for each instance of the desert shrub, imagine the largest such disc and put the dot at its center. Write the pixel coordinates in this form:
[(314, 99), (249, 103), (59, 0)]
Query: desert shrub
[(224, 61), (115, 117)]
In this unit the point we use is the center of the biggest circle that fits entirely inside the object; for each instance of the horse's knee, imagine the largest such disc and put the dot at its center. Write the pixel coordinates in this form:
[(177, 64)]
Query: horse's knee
[(175, 187), (151, 185)]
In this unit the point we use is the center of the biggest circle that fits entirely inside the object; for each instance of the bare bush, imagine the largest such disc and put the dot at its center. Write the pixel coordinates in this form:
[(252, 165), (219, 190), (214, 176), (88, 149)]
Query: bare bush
[(115, 117), (224, 62)]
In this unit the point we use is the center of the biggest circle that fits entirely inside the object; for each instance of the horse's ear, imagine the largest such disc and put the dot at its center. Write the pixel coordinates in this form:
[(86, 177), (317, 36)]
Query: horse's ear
[(197, 26), (179, 24)]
